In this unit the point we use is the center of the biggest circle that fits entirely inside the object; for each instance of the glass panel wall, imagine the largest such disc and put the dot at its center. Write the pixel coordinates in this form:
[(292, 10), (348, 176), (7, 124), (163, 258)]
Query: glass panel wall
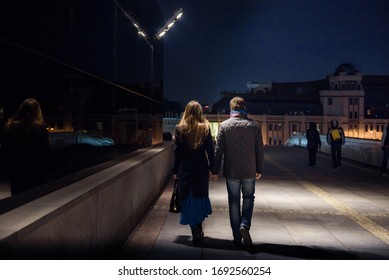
[(99, 83)]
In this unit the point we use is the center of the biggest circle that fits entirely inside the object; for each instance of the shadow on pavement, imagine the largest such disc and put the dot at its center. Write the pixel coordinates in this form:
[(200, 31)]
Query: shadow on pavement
[(280, 251)]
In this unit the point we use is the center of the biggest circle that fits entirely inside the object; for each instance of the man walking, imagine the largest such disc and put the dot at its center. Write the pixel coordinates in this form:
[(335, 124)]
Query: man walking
[(336, 139), (239, 144)]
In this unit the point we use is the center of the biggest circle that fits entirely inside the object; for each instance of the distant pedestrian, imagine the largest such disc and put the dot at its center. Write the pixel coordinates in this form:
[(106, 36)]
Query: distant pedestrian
[(336, 139), (313, 143), (385, 149), (25, 146), (239, 145), (193, 161)]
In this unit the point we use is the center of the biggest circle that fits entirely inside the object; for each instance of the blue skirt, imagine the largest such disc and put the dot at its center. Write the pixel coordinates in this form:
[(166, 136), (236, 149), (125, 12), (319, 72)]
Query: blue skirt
[(195, 209)]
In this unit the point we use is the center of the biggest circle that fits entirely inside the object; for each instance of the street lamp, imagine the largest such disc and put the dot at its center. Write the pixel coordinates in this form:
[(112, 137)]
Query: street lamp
[(138, 27), (169, 24), (161, 32)]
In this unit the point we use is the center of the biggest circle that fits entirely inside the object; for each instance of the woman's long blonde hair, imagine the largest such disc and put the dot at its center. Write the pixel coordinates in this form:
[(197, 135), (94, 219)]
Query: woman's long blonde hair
[(29, 114), (193, 125)]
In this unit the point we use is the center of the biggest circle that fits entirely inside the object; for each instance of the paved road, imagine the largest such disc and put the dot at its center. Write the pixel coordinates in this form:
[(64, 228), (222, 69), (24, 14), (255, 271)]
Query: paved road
[(300, 213)]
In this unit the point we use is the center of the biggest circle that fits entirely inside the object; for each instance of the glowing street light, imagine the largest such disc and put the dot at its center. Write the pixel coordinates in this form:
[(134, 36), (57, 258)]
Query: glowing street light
[(162, 31), (141, 31)]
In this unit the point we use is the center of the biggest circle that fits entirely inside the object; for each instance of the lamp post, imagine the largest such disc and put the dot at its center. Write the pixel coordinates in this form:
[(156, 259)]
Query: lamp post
[(169, 24), (149, 40), (161, 32)]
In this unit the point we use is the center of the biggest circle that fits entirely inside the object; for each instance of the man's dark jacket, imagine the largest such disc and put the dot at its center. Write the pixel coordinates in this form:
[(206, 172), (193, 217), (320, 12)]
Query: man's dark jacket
[(240, 143)]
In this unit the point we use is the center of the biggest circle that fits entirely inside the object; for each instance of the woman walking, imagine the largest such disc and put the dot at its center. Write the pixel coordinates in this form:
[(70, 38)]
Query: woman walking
[(26, 146), (194, 155)]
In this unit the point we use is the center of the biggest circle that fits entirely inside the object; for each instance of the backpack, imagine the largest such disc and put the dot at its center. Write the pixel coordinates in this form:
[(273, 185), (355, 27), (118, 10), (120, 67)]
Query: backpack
[(335, 134)]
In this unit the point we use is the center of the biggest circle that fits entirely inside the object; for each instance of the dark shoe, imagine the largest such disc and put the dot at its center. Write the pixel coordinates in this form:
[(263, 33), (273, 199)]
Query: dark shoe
[(195, 235), (244, 231), (200, 231), (237, 242)]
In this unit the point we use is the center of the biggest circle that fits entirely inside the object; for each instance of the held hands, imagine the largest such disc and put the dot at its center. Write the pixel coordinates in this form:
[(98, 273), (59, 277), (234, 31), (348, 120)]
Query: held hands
[(213, 177)]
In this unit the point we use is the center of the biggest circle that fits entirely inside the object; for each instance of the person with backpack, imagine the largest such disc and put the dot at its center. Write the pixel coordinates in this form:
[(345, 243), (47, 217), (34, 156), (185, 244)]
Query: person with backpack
[(313, 143), (385, 149), (336, 138)]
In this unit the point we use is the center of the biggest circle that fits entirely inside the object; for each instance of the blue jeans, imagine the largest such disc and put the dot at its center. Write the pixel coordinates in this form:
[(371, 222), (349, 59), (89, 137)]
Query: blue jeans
[(240, 217)]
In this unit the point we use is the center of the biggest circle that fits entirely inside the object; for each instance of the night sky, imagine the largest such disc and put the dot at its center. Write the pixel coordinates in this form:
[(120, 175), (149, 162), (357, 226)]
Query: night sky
[(219, 44)]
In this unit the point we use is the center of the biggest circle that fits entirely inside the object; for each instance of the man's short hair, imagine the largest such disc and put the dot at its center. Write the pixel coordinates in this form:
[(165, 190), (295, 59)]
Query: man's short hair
[(237, 103)]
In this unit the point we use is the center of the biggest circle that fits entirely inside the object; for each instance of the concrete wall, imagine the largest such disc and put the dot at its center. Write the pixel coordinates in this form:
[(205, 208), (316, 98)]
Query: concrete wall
[(89, 218), (361, 150)]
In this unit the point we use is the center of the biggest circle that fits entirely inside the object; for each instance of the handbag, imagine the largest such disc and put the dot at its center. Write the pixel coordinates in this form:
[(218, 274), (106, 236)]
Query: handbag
[(175, 202)]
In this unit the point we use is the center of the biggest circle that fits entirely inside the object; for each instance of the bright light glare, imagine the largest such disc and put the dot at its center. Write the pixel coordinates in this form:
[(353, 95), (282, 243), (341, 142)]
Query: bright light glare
[(169, 24), (160, 35)]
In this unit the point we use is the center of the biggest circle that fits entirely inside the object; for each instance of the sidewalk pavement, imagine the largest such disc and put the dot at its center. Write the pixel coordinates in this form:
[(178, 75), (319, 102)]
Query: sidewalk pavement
[(299, 213)]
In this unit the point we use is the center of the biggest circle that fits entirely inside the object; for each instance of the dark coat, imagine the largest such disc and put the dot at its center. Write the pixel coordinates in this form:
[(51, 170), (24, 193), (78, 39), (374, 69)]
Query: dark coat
[(313, 139), (26, 156), (240, 145), (193, 165)]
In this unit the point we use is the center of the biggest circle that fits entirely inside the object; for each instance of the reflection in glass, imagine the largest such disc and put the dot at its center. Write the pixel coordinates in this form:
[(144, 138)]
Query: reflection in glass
[(90, 72)]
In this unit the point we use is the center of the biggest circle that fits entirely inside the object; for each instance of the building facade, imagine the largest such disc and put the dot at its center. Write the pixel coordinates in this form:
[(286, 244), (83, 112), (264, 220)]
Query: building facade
[(285, 109)]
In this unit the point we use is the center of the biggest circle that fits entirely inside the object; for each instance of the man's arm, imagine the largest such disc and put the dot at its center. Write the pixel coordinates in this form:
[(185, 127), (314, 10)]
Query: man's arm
[(259, 154), (219, 151), (342, 136)]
